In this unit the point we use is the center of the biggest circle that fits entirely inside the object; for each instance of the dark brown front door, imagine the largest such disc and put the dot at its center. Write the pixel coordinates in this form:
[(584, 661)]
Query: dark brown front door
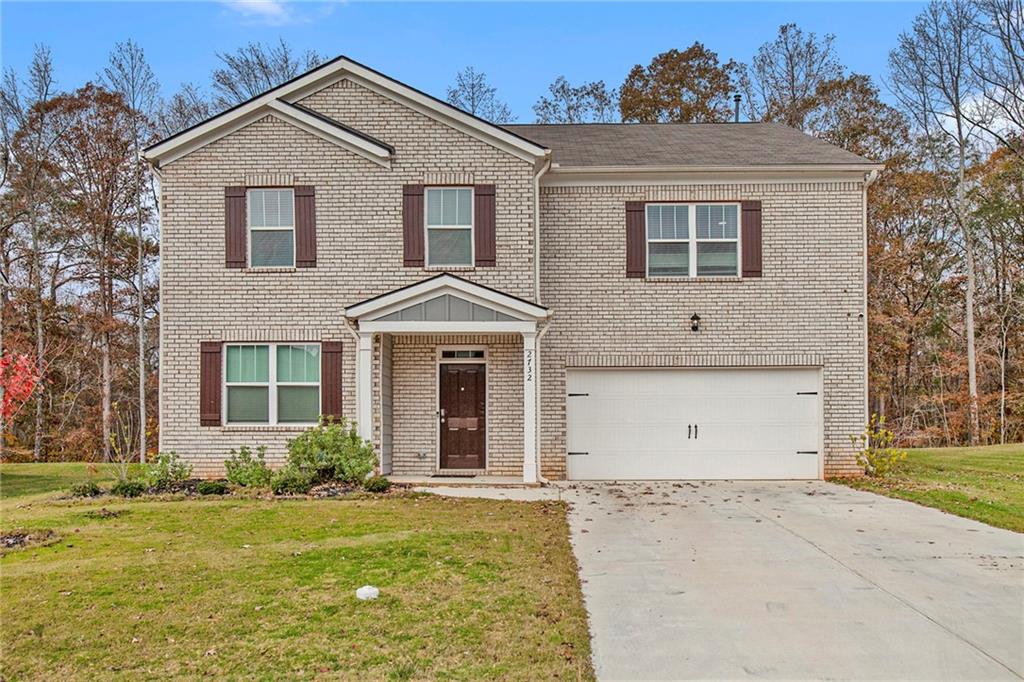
[(463, 401)]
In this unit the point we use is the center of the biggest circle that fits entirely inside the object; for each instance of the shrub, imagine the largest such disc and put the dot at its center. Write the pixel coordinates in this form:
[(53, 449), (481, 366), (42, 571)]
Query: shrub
[(291, 480), (377, 484), (128, 488), (875, 449), (247, 470), (332, 450), (167, 470), (85, 489), (212, 488)]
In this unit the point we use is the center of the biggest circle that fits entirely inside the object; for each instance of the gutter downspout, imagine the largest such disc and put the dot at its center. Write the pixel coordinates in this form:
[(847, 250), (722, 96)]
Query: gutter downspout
[(536, 230), (869, 180)]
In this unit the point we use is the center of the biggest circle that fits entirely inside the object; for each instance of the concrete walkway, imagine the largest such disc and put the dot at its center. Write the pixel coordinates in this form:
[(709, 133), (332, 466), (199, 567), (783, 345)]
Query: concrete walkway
[(789, 580)]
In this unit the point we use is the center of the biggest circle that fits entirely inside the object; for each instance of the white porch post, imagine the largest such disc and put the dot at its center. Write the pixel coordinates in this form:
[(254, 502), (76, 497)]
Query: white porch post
[(364, 385), (530, 407)]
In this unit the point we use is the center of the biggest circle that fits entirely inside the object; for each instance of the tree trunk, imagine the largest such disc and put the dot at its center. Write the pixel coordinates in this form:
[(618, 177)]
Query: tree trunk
[(106, 379), (974, 434), (140, 254), (37, 284)]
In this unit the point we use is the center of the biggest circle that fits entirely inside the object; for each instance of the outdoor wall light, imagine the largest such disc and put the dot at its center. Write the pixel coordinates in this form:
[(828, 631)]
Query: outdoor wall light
[(695, 323)]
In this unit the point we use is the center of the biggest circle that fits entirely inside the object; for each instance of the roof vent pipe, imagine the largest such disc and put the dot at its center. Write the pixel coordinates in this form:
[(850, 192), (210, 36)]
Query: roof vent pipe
[(736, 100)]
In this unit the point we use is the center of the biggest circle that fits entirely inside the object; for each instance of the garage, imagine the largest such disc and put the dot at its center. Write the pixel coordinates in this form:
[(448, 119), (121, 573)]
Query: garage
[(729, 423)]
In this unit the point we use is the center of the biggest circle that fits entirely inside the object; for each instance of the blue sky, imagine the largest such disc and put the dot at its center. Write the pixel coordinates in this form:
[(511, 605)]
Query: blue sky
[(521, 47)]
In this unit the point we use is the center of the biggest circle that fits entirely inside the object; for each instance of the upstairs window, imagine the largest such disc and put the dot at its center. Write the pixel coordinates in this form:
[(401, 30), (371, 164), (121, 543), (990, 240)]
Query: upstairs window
[(271, 214), (449, 226), (687, 240)]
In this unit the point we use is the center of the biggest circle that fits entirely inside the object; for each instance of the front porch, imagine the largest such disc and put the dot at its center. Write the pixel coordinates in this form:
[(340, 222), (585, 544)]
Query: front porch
[(447, 382)]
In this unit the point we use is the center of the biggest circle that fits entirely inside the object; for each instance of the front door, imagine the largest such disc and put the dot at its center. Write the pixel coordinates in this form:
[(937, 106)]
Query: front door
[(463, 402)]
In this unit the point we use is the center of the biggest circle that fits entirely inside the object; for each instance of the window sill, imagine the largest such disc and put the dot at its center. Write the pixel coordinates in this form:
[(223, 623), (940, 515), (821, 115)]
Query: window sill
[(269, 270), (265, 428), (450, 268), (730, 278)]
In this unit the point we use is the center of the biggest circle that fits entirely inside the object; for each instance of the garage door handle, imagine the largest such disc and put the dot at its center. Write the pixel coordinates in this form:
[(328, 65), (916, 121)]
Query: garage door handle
[(689, 431), (695, 427)]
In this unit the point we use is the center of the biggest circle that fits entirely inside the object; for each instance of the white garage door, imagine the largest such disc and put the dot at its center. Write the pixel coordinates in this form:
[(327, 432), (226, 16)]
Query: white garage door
[(693, 423)]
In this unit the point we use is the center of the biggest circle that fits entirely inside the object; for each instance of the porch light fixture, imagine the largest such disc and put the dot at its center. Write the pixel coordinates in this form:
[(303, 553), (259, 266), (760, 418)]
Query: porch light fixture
[(695, 322)]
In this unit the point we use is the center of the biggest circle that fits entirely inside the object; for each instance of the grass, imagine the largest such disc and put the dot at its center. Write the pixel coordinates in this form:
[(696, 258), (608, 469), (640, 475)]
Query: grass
[(21, 480), (262, 588), (981, 483)]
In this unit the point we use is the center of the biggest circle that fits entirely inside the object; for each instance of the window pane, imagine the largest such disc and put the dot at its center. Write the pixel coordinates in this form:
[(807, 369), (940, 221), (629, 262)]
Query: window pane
[(433, 207), (449, 207), (450, 247), (465, 212), (298, 363), (716, 259), (248, 364), (298, 403), (248, 404), (272, 248), (271, 208), (730, 220), (717, 221), (668, 259), (653, 221)]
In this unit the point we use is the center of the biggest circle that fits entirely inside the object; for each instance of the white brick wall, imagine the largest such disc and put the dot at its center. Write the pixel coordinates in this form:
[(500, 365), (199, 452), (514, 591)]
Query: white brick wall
[(804, 311)]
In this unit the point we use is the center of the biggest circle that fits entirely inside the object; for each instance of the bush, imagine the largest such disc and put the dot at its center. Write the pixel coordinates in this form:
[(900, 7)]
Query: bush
[(247, 470), (167, 470), (332, 450), (128, 488), (85, 489), (377, 484), (212, 488), (875, 449), (291, 480)]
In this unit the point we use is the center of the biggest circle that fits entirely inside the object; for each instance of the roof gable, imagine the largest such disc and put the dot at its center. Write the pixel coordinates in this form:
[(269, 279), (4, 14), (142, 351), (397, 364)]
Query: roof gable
[(282, 100)]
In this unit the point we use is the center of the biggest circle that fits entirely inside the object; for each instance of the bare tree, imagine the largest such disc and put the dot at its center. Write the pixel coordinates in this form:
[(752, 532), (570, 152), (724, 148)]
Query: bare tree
[(255, 68), (184, 109), (1000, 73), (933, 80), (129, 75), (472, 93), (25, 109), (785, 74), (586, 103)]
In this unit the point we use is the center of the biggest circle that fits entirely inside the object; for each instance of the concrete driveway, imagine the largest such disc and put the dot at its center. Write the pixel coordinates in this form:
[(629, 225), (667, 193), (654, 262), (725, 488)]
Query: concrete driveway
[(793, 580)]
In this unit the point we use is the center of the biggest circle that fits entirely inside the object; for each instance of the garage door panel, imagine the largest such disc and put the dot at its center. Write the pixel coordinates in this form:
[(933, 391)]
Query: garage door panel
[(749, 423)]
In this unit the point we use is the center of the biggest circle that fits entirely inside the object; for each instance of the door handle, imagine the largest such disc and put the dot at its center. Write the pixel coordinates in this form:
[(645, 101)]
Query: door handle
[(442, 414), (695, 427), (689, 431)]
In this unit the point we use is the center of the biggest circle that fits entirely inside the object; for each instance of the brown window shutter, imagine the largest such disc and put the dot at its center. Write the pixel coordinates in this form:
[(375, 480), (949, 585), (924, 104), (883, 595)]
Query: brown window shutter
[(305, 226), (636, 243), (483, 226), (751, 238), (209, 383), (412, 225), (330, 379), (234, 227)]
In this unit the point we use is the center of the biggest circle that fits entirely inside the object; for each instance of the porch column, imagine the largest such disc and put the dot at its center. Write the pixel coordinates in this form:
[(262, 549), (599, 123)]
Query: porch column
[(530, 407), (364, 385)]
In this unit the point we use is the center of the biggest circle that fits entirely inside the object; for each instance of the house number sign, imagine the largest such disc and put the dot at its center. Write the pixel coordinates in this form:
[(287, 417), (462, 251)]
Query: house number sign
[(528, 363)]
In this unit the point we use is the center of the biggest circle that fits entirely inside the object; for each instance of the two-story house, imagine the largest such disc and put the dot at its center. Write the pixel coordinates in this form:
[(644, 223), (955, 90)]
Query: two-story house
[(537, 301)]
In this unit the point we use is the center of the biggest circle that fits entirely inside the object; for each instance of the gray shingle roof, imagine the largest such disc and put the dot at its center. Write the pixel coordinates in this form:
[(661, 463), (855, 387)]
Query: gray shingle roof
[(683, 144)]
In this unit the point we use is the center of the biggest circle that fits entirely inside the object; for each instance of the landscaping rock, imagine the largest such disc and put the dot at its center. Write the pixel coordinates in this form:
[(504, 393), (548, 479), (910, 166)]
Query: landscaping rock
[(367, 592)]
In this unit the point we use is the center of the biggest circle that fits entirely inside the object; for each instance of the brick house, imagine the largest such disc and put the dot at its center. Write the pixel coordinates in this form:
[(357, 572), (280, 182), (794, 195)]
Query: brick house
[(527, 301)]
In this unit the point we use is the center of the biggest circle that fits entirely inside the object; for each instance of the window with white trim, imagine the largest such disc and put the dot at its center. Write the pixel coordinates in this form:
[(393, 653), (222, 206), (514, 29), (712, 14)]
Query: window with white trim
[(271, 215), (449, 226), (693, 240), (272, 383)]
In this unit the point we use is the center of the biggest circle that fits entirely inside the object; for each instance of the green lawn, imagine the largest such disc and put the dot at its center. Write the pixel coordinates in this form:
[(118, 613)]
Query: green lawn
[(20, 480), (982, 483), (262, 588)]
